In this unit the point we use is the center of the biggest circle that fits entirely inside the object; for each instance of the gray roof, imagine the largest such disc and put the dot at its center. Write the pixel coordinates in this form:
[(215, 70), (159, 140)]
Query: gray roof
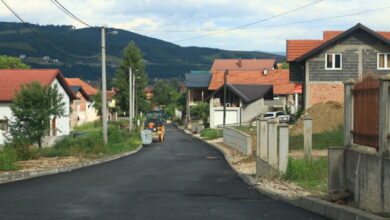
[(249, 93), (197, 80)]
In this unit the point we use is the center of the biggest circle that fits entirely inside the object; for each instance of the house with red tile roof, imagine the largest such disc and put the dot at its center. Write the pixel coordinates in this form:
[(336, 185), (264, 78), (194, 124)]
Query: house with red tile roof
[(284, 93), (322, 65), (11, 80), (243, 64), (91, 114), (79, 106)]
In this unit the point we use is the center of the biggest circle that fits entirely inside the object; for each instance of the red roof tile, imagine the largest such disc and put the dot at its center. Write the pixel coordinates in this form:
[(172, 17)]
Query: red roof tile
[(78, 82), (12, 79), (242, 64), (279, 78), (298, 48)]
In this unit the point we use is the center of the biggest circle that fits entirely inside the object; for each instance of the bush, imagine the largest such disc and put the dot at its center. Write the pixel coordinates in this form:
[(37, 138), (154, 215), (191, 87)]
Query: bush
[(201, 111), (307, 173), (27, 153), (8, 157), (211, 134)]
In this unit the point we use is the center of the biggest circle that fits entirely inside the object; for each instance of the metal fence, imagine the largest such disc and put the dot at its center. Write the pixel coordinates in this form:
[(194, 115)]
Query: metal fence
[(366, 111)]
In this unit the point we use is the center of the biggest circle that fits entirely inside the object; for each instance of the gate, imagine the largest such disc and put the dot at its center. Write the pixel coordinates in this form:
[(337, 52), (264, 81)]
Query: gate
[(366, 111)]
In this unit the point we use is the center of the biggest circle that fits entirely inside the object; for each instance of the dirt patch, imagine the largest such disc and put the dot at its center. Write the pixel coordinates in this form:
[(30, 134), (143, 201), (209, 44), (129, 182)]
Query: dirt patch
[(326, 117), (47, 163), (299, 154)]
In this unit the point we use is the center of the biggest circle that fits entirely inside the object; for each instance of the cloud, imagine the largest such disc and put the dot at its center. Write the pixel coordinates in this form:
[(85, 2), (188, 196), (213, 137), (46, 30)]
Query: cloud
[(147, 17)]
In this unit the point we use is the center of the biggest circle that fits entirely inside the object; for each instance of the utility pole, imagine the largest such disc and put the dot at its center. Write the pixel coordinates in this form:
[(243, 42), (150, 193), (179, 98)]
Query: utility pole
[(133, 99), (104, 89), (224, 97), (130, 100)]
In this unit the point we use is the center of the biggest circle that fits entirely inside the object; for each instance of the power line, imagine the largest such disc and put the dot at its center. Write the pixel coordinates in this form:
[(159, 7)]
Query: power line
[(252, 23), (275, 25), (67, 12), (43, 38)]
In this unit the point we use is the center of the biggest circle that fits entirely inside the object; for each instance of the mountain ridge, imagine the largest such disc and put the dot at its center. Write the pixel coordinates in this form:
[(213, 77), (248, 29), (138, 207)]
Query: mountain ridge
[(163, 59)]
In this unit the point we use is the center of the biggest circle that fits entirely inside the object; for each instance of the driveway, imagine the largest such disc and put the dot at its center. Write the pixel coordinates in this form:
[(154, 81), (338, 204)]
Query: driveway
[(181, 178)]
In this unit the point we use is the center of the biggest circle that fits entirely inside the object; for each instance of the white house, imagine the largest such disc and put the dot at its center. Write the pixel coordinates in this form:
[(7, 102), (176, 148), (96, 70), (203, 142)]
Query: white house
[(243, 103), (11, 81)]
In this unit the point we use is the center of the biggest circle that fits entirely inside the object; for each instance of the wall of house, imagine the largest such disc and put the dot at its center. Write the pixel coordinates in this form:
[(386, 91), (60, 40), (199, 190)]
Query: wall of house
[(253, 110), (5, 112), (359, 56), (91, 112), (63, 123)]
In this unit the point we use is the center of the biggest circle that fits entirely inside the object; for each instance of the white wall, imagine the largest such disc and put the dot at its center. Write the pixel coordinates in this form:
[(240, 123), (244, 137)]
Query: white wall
[(63, 123), (91, 112), (216, 116), (5, 112)]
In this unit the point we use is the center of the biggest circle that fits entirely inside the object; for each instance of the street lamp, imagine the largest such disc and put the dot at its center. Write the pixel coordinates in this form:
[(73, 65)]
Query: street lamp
[(104, 83)]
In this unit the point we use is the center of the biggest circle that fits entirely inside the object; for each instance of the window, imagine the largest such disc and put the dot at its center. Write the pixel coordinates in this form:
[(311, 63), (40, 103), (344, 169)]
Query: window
[(383, 61), (333, 61), (3, 125)]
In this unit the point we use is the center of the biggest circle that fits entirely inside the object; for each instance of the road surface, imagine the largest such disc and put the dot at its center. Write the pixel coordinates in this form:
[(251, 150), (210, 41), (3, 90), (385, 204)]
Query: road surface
[(182, 178)]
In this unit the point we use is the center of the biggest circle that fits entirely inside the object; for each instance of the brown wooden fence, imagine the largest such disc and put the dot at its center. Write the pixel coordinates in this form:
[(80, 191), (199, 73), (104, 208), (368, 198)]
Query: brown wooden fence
[(366, 111)]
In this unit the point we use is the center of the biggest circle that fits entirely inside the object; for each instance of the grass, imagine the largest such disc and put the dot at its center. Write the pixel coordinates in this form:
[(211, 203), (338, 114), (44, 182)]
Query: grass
[(309, 174), (320, 141), (211, 134), (89, 145)]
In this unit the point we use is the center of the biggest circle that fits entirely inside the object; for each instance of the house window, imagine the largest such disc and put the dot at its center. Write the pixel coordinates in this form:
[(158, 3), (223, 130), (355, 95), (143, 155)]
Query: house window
[(383, 61), (333, 61), (3, 125)]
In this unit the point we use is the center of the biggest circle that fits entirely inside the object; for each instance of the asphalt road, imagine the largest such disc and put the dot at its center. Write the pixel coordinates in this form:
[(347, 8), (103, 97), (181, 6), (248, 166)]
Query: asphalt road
[(182, 178)]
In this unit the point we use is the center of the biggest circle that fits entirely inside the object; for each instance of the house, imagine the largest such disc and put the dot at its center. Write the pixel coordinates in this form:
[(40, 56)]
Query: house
[(79, 105), (243, 64), (197, 90), (286, 94), (11, 81), (243, 103), (322, 65), (91, 112), (112, 113)]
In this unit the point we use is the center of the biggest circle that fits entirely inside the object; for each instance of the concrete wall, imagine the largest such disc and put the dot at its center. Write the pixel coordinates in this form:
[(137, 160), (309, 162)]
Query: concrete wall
[(366, 175), (250, 111), (238, 140)]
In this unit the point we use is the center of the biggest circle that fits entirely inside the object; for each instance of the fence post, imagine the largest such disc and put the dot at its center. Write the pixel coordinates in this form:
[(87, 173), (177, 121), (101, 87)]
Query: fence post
[(262, 139), (283, 148), (348, 112), (308, 133), (272, 144), (384, 116)]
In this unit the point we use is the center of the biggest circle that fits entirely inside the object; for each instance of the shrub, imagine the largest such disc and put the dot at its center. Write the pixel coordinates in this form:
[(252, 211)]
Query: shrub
[(7, 159), (211, 134), (201, 111), (26, 153)]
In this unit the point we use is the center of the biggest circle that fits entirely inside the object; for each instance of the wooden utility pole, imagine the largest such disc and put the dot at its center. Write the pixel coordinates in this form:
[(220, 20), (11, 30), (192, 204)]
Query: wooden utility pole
[(224, 97), (130, 99)]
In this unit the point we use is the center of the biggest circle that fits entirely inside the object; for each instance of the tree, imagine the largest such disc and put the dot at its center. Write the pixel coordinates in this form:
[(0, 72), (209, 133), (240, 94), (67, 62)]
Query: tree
[(201, 111), (12, 63), (285, 65), (132, 57), (33, 107)]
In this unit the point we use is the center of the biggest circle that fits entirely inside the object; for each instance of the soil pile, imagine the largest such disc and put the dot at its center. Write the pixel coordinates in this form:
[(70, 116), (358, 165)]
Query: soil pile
[(326, 117)]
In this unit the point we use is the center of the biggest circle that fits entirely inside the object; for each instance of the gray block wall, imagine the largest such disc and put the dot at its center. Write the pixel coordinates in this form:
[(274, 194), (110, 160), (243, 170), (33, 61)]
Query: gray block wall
[(238, 140)]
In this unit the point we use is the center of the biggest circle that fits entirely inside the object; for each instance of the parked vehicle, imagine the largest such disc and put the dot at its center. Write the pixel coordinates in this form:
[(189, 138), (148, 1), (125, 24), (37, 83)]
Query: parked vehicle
[(281, 116), (156, 126)]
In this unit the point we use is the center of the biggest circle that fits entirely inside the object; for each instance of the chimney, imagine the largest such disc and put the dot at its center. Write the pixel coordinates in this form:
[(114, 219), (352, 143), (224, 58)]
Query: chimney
[(239, 63), (265, 72)]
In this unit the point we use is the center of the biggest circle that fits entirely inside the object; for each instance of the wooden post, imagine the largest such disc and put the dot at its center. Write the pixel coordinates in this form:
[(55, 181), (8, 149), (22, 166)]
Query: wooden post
[(348, 113)]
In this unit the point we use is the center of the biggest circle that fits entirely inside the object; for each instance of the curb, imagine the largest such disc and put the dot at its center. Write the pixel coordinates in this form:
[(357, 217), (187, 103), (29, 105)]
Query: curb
[(23, 175), (312, 204)]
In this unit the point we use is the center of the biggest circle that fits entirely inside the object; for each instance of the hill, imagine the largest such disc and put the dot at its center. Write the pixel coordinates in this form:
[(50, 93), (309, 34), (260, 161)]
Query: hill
[(163, 59)]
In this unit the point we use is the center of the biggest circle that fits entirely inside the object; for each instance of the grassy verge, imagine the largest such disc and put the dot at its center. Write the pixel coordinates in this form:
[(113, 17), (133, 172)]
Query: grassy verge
[(89, 145), (320, 141), (211, 134), (311, 175)]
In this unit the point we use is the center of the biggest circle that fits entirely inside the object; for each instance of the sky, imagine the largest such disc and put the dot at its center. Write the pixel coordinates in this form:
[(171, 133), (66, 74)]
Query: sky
[(179, 21)]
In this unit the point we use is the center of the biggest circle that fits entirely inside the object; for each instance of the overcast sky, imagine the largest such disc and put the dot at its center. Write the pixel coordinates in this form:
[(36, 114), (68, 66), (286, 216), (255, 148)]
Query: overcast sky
[(177, 20)]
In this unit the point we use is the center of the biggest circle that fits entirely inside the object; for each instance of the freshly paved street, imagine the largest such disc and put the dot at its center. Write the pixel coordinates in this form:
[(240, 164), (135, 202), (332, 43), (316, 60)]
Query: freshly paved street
[(182, 178)]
